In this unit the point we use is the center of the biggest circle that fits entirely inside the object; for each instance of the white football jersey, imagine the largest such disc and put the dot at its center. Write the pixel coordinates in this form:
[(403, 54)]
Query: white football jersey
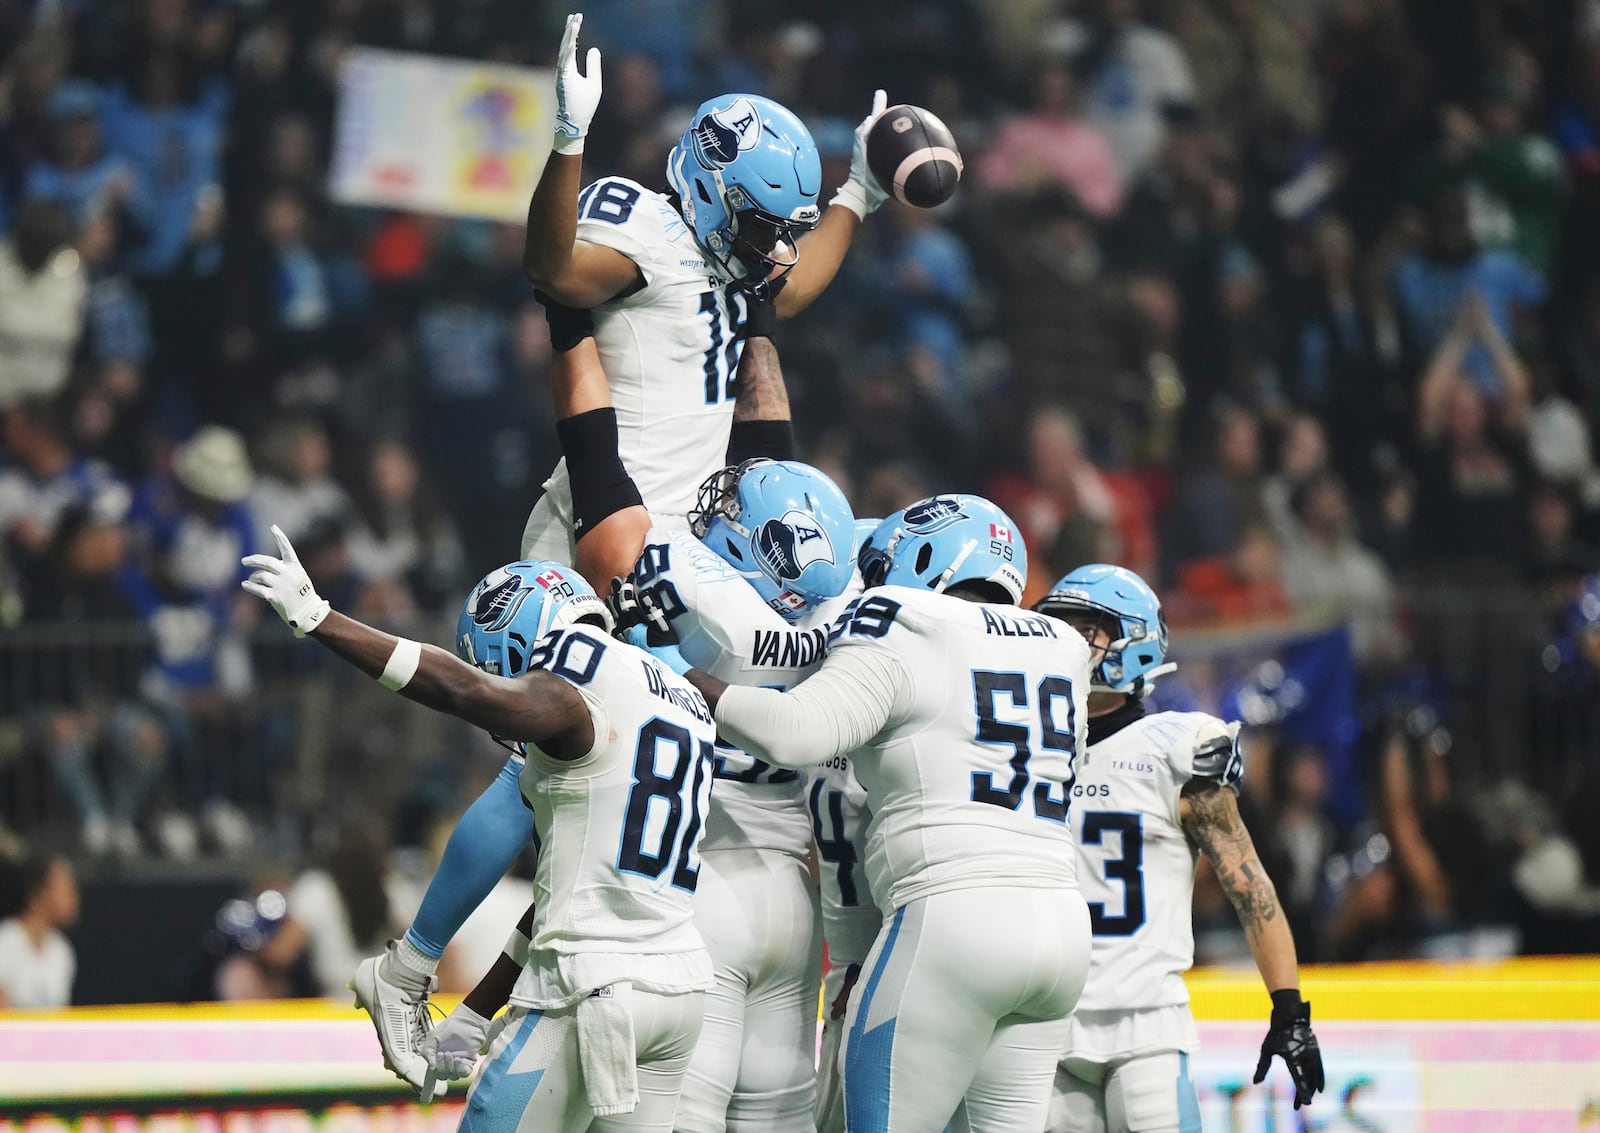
[(839, 821), (726, 629), (1136, 866), (670, 350), (967, 780), (618, 831)]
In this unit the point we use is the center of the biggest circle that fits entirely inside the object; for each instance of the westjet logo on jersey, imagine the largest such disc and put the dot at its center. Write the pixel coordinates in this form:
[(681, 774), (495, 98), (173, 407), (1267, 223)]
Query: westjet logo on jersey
[(496, 601), (788, 648), (933, 516), (786, 546), (724, 134)]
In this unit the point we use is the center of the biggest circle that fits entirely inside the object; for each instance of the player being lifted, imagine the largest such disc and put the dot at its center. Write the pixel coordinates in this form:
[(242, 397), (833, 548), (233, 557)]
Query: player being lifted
[(745, 592), (666, 274), (607, 1009), (964, 715), (1154, 791)]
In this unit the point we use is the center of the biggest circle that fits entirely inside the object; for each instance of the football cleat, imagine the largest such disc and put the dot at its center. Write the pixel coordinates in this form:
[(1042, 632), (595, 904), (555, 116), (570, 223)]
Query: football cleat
[(401, 1017)]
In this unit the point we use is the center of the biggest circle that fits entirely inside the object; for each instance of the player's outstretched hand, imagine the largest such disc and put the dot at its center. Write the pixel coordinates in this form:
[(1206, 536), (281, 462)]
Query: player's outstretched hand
[(861, 193), (1291, 1039), (568, 325), (284, 585), (452, 1048), (577, 93)]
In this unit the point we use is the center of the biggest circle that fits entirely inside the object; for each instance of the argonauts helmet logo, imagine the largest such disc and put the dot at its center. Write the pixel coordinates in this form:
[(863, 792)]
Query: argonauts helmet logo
[(496, 601), (786, 546), (933, 516), (724, 134)]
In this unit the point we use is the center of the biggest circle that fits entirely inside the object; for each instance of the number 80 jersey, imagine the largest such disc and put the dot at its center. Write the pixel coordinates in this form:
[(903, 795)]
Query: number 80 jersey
[(670, 350), (618, 829), (1135, 864)]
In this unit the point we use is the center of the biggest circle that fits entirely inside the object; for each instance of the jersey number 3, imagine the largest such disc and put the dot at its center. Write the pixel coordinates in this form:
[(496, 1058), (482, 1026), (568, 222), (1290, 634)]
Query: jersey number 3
[(1128, 869), (1052, 691), (664, 809)]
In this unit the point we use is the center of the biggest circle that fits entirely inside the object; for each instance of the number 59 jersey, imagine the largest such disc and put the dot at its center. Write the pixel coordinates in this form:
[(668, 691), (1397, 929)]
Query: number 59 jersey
[(670, 350), (967, 780), (618, 829), (1135, 864)]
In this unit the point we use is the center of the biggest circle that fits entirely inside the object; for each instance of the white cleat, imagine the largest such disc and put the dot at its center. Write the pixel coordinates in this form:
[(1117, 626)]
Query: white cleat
[(400, 1016)]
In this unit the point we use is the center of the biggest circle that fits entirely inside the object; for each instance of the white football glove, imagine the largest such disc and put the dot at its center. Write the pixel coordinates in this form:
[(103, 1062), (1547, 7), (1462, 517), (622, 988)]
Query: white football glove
[(861, 193), (285, 586), (452, 1048), (577, 95)]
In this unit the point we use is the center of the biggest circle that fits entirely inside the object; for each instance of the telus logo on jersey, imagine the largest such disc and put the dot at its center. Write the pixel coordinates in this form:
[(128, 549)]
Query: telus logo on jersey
[(722, 135), (933, 516), (497, 600)]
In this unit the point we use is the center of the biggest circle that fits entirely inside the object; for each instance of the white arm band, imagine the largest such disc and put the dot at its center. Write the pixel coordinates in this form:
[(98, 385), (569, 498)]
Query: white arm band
[(517, 948), (837, 711), (402, 665)]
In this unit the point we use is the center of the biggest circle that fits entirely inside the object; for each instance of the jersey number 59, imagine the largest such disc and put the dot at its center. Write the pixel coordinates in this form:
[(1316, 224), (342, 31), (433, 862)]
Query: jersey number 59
[(1053, 693)]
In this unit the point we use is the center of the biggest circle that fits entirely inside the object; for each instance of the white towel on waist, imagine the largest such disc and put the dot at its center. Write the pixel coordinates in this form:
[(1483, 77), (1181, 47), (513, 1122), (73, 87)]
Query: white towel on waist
[(606, 1050)]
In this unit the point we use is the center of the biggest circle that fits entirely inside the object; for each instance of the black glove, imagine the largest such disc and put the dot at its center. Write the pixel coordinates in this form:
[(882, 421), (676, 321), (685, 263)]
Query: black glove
[(568, 325), (631, 606), (761, 314), (1291, 1039)]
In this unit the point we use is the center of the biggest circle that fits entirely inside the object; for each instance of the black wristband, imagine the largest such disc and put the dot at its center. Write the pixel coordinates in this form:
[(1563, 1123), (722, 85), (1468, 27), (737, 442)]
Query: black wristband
[(749, 439), (761, 318), (1287, 1002), (601, 486), (568, 325)]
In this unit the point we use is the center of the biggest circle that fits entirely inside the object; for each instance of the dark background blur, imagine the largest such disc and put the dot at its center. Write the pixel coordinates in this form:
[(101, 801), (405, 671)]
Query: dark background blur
[(1291, 305)]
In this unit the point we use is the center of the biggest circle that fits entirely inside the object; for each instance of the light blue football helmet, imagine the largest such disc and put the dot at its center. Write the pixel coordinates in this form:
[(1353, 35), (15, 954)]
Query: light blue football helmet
[(942, 540), (864, 530), (515, 605), (784, 526), (747, 177), (1132, 616)]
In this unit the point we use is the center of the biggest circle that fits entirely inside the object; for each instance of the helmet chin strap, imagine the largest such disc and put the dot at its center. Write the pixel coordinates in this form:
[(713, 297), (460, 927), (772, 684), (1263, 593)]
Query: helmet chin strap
[(966, 553)]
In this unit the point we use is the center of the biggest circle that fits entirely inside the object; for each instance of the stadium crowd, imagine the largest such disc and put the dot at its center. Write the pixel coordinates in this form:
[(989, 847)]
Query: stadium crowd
[(1293, 305)]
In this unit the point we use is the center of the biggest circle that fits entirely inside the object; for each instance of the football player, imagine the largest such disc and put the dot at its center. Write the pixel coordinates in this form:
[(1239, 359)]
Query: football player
[(666, 274), (1154, 791), (963, 715), (617, 773)]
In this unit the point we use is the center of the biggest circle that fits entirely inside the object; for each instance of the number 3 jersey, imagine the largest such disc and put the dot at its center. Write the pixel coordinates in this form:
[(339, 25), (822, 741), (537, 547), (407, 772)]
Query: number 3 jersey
[(618, 829), (1135, 864), (670, 350), (726, 629)]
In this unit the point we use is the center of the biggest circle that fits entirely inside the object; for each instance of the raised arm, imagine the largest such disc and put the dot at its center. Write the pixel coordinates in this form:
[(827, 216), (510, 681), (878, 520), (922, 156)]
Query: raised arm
[(1441, 376), (762, 423), (1209, 812), (534, 708), (822, 249), (576, 272)]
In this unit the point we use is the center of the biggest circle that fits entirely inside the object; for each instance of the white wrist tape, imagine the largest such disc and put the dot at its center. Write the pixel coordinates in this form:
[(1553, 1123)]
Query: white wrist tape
[(402, 665), (853, 197)]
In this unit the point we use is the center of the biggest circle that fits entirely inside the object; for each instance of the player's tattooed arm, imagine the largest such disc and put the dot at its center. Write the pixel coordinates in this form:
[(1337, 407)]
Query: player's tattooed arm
[(762, 394), (1209, 812), (535, 707)]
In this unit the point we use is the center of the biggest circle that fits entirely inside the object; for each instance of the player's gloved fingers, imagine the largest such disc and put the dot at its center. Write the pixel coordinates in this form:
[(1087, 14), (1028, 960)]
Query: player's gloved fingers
[(569, 40), (880, 102), (591, 68), (265, 564), (261, 590), (1263, 1065), (285, 548)]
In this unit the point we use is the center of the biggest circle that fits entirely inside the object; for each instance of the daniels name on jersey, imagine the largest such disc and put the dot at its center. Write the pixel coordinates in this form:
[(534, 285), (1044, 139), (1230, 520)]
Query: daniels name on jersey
[(618, 830), (1136, 867), (670, 350)]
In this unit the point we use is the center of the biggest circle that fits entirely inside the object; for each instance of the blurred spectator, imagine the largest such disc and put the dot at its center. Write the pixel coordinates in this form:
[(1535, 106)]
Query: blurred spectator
[(929, 287), (294, 488), (80, 173), (1328, 572), (1474, 466), (41, 304), (1134, 75), (37, 963), (402, 536), (1243, 586), (1214, 505), (343, 910), (1302, 455), (1432, 283), (1250, 69), (1556, 555), (1053, 147)]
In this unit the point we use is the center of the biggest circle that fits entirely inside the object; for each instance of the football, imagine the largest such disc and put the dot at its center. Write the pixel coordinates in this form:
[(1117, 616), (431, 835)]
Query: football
[(914, 157)]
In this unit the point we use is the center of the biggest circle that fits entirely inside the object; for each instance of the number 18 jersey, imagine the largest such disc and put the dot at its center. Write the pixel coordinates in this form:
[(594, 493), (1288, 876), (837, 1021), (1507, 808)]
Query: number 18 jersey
[(618, 829), (670, 350), (1135, 864)]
